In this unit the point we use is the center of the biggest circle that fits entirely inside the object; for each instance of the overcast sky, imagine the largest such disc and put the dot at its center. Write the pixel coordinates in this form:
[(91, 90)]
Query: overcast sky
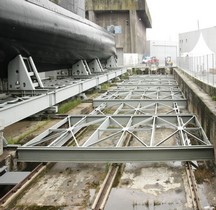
[(171, 17)]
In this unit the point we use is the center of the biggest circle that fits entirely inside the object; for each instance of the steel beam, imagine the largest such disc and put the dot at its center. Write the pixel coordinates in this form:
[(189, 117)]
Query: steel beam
[(142, 94), (12, 113), (114, 155), (135, 102), (148, 87)]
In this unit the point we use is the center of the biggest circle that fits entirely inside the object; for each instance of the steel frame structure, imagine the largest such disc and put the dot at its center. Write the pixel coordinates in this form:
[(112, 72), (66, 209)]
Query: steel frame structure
[(16, 109), (160, 129)]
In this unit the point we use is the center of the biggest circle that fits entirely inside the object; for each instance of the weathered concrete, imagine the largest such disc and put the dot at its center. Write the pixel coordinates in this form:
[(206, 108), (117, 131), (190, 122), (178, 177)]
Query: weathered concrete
[(1, 141), (129, 20), (75, 6), (116, 5), (199, 102), (209, 89)]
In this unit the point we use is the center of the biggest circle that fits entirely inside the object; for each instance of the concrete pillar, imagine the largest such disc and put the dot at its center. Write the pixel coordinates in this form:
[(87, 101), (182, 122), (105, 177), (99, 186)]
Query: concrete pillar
[(8, 163), (133, 17), (91, 16), (1, 140)]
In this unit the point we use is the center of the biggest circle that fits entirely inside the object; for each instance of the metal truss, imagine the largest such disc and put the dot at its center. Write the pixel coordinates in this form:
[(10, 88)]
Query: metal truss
[(158, 80), (148, 108), (147, 87), (140, 94), (123, 129)]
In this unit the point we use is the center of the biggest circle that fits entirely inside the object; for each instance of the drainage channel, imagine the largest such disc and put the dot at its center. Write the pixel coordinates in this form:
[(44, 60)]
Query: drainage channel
[(153, 111)]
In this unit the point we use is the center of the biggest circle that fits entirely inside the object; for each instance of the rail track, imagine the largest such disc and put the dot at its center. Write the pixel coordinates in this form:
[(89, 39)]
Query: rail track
[(14, 192), (18, 188), (103, 194), (193, 187), (106, 187)]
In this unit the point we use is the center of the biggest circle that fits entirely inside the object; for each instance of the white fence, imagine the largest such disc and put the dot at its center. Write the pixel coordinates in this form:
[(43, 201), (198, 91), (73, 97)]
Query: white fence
[(200, 67)]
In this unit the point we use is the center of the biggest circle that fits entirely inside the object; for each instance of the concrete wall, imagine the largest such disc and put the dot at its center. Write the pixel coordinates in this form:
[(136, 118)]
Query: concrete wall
[(162, 49), (132, 59), (199, 103), (129, 18), (137, 33), (120, 56), (119, 21), (75, 6)]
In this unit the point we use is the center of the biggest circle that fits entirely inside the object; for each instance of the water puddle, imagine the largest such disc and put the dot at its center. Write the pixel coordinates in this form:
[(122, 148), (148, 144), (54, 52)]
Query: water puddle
[(134, 199), (155, 186), (159, 186)]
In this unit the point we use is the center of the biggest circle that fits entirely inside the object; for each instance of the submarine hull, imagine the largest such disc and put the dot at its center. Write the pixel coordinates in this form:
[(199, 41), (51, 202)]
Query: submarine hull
[(54, 38)]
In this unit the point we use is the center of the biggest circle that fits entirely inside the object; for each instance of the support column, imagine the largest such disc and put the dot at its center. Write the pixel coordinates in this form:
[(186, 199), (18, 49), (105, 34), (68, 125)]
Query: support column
[(23, 75), (132, 16), (2, 141), (91, 16), (95, 66), (80, 68), (111, 62)]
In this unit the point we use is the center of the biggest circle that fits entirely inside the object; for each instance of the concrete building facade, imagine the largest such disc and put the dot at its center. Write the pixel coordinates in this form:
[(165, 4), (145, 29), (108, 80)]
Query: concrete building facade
[(128, 21), (75, 6), (162, 49)]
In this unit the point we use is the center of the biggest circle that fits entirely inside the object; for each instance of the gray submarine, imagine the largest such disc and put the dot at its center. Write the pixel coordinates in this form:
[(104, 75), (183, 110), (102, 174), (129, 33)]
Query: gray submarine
[(54, 37)]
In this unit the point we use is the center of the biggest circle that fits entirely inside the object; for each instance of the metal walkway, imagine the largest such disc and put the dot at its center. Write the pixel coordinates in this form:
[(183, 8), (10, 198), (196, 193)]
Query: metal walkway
[(148, 111)]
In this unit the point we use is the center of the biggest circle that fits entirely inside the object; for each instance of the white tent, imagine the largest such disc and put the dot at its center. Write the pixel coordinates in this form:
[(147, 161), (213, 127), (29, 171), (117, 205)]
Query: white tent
[(201, 48), (201, 56)]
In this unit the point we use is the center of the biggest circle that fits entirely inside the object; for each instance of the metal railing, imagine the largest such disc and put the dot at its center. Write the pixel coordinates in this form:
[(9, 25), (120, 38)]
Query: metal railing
[(201, 67)]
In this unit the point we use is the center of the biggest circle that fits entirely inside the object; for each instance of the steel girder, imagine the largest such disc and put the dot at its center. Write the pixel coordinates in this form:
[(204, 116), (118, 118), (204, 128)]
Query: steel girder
[(160, 130), (138, 94), (158, 80), (143, 103), (114, 155), (17, 109)]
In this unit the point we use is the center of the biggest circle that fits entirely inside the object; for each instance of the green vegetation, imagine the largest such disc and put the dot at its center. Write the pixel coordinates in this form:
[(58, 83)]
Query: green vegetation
[(65, 107), (125, 76), (108, 111), (105, 86), (24, 137), (214, 98)]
